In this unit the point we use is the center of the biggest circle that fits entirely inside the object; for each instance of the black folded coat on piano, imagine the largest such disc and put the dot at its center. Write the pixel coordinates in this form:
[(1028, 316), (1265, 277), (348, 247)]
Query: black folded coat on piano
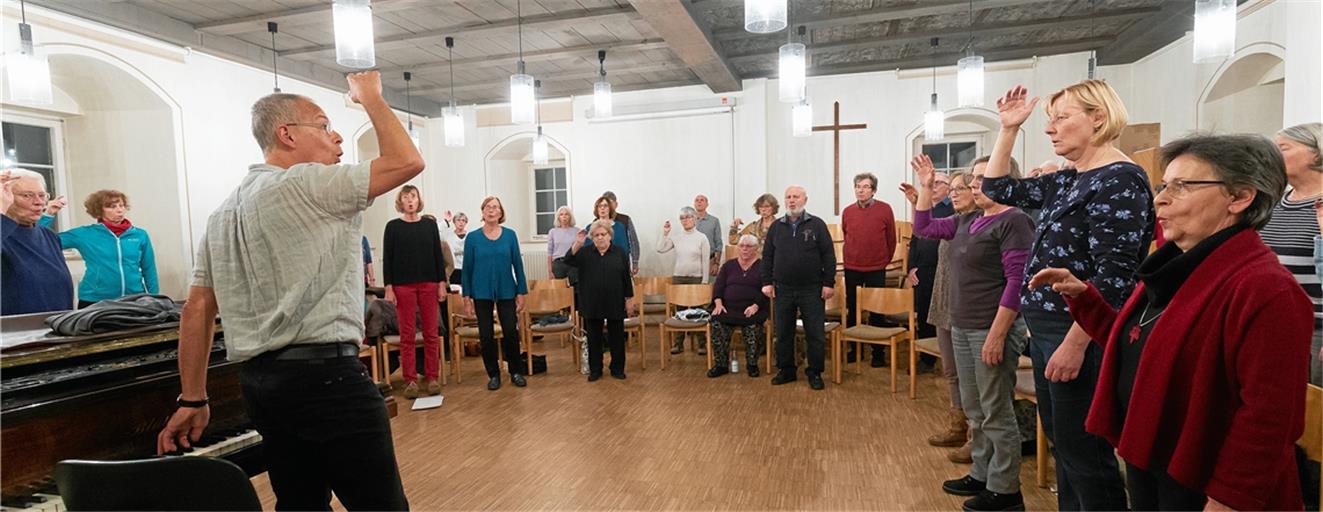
[(110, 315)]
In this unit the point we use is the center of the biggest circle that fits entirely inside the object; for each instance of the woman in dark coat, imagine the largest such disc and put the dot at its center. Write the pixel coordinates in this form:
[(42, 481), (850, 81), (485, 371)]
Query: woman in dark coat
[(606, 291)]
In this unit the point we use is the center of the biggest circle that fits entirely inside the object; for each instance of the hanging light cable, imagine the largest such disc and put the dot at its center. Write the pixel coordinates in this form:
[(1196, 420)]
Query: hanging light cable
[(969, 74), (452, 119), (540, 141), (1214, 30), (1093, 54), (601, 89), (273, 28), (934, 120), (408, 110), (792, 72), (764, 16), (29, 74), (521, 84), (354, 46)]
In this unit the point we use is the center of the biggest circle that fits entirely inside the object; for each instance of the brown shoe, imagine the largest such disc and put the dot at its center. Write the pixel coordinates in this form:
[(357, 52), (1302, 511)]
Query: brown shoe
[(678, 347), (411, 391), (433, 387), (962, 454), (956, 433)]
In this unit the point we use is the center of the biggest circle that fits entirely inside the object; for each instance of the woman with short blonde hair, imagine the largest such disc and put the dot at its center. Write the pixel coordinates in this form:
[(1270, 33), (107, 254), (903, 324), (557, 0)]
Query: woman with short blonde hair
[(559, 240)]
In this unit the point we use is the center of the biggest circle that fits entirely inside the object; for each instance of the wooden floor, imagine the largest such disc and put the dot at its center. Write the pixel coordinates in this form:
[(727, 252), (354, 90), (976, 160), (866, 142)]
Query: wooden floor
[(676, 440)]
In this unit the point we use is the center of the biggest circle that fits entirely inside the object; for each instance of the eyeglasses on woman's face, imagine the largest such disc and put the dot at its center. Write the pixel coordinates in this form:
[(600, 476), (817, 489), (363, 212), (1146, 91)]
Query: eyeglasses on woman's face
[(1179, 188)]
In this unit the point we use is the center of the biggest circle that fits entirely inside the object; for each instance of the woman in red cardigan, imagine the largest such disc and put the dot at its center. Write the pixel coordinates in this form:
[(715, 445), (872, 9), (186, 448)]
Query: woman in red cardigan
[(1202, 388)]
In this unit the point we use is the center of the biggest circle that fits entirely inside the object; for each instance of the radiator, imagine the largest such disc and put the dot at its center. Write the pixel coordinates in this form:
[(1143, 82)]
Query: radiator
[(535, 264)]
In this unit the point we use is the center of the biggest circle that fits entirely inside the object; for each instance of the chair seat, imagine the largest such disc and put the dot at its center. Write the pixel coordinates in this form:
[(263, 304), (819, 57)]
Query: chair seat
[(868, 332), (676, 323), (552, 328), (928, 346), (649, 307), (632, 322), (1024, 385), (826, 326), (472, 332), (654, 319), (394, 339)]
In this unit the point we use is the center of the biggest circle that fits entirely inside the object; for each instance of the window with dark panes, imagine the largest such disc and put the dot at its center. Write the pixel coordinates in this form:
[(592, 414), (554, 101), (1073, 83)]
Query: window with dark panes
[(550, 192), (30, 147)]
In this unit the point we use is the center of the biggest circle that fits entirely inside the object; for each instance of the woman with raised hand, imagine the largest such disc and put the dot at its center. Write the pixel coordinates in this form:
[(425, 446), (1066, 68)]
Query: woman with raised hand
[(606, 291), (119, 255), (1096, 221)]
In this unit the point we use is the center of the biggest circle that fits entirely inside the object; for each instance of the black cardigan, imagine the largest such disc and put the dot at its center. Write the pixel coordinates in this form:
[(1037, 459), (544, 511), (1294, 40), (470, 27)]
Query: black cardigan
[(605, 281)]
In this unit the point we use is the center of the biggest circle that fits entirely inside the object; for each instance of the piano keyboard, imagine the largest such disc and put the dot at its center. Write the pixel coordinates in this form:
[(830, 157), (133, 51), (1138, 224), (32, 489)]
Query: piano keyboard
[(44, 497)]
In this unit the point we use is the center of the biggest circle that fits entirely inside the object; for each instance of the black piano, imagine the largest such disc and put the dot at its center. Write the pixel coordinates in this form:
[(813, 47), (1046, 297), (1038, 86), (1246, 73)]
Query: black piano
[(102, 397)]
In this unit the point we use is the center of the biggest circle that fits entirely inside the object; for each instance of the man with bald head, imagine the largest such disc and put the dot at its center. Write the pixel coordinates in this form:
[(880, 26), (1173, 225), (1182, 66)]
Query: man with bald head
[(710, 226), (32, 268), (799, 271), (281, 261)]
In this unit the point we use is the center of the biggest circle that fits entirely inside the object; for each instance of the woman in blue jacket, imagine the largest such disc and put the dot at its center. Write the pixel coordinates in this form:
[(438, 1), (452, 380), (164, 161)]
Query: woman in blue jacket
[(119, 256), (493, 278)]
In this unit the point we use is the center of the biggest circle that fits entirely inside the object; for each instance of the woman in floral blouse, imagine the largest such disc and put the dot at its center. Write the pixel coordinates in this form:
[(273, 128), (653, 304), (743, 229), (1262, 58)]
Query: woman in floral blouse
[(1097, 220)]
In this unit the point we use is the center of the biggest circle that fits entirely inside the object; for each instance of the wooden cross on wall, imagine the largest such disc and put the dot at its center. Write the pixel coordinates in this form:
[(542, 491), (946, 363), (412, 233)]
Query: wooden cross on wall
[(835, 127)]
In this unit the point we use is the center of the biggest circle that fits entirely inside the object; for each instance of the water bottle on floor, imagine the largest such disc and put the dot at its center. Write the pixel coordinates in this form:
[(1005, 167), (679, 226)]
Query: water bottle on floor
[(734, 365)]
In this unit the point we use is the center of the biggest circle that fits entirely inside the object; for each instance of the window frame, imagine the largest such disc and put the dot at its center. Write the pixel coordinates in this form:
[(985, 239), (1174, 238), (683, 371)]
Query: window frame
[(533, 191)]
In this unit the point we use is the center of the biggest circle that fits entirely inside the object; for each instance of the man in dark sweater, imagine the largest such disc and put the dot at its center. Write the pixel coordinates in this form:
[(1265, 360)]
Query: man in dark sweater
[(35, 277), (869, 226), (799, 271)]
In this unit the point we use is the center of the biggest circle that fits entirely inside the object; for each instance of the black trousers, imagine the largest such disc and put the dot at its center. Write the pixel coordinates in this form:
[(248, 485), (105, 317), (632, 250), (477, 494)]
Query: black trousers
[(491, 354), (613, 336), (1156, 490), (870, 279), (324, 429), (923, 298), (807, 302)]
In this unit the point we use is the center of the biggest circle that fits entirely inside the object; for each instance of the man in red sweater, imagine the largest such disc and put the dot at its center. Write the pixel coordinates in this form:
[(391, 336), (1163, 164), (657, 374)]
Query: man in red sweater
[(870, 242)]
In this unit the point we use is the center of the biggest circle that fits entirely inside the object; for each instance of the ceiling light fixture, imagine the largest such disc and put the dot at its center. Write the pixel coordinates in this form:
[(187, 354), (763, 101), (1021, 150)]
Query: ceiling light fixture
[(540, 141), (408, 109), (792, 71), (452, 119), (969, 74), (354, 45), (521, 84), (764, 16), (934, 120), (29, 74), (601, 89), (1214, 30)]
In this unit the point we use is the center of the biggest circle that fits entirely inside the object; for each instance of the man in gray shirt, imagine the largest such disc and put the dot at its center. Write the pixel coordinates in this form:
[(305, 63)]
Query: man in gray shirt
[(709, 225), (281, 261)]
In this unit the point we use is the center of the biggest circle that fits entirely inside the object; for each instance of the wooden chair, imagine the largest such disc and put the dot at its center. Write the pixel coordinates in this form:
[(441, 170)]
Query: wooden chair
[(391, 343), (169, 483), (1312, 440), (832, 327), (732, 252), (634, 324), (550, 301), (463, 327), (372, 354), (900, 259), (738, 334), (883, 301), (647, 289), (684, 296), (541, 284), (1024, 389)]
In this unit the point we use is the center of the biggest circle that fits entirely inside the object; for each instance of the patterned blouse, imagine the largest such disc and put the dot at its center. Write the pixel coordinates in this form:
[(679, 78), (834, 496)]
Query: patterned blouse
[(1098, 224)]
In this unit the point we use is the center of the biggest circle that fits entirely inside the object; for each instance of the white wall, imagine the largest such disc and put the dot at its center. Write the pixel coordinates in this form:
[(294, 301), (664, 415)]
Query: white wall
[(657, 166)]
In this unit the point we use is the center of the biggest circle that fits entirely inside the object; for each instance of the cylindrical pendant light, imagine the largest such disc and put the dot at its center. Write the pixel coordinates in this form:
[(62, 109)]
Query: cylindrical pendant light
[(764, 16), (969, 74), (353, 34), (801, 119), (540, 148), (1214, 30), (408, 111), (29, 74), (452, 119), (601, 89), (521, 84), (934, 120), (792, 70)]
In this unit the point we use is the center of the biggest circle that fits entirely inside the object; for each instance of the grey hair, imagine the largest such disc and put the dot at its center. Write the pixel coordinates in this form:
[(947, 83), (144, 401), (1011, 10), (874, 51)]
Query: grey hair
[(688, 211), (606, 224), (747, 238), (565, 209), (1240, 161), (1015, 166), (459, 215), (1308, 135), (274, 110), (19, 173)]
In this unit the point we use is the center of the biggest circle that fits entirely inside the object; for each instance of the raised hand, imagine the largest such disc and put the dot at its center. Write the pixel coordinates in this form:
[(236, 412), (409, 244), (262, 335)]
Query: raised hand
[(6, 194), (1061, 281), (911, 193), (666, 228), (447, 216), (737, 222), (1015, 107), (923, 167), (55, 205), (364, 85)]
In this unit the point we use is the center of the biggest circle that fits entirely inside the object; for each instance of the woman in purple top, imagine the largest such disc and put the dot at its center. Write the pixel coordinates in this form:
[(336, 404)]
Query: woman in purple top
[(559, 241), (739, 303), (988, 248)]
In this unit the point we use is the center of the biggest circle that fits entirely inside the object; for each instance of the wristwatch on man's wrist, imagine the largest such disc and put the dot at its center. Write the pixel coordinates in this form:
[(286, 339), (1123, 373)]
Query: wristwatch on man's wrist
[(192, 404)]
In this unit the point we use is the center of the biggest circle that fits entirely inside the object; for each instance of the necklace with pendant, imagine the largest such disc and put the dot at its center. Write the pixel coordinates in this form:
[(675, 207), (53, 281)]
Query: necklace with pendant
[(1135, 331)]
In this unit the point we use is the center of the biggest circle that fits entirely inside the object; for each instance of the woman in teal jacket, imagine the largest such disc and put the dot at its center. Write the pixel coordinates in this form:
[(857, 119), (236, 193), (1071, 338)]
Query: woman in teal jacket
[(118, 255)]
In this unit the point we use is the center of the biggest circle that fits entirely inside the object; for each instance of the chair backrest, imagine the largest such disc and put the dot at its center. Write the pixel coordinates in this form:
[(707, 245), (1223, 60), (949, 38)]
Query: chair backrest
[(837, 235), (550, 299), (645, 287), (688, 295), (172, 483), (837, 301), (1312, 441), (904, 235), (884, 301), (539, 284), (732, 252)]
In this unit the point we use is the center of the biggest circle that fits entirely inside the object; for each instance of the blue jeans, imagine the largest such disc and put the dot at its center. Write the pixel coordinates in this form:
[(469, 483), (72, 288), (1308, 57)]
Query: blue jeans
[(1087, 474), (324, 429), (807, 302), (987, 394)]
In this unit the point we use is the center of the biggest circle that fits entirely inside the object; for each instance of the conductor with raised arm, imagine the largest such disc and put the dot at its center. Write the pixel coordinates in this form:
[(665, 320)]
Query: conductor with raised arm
[(280, 261)]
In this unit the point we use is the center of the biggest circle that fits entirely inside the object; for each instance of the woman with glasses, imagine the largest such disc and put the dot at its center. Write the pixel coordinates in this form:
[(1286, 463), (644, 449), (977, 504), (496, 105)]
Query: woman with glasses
[(1291, 230), (605, 292), (1097, 220), (1202, 386), (766, 206), (739, 303), (494, 280), (119, 256), (692, 249)]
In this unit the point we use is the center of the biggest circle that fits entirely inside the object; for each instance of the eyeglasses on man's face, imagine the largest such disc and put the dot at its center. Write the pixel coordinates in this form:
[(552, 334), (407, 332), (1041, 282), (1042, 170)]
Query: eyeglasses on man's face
[(1180, 187), (30, 196), (326, 127)]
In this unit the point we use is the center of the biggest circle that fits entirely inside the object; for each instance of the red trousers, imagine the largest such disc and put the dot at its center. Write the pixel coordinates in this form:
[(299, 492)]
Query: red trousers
[(409, 298)]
